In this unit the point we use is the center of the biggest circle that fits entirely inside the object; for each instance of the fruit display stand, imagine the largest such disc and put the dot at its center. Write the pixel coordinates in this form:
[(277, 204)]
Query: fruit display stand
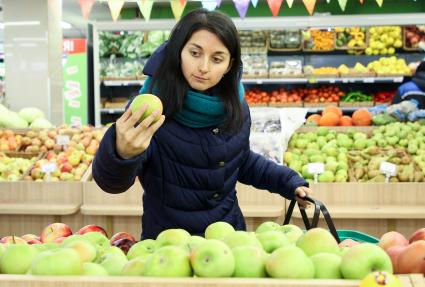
[(122, 211), (372, 208), (411, 280)]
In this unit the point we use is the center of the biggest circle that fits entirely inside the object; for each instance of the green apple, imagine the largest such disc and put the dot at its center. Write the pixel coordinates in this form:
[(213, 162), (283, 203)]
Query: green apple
[(212, 258), (153, 102), (113, 263), (17, 258), (168, 261), (363, 259), (272, 240), (193, 242), (250, 261), (289, 262), (142, 249), (74, 237), (318, 240), (85, 249), (241, 238), (327, 266), (2, 248), (177, 237), (93, 269), (134, 267), (98, 239), (109, 250), (218, 230), (61, 261), (45, 246), (292, 232), (267, 226)]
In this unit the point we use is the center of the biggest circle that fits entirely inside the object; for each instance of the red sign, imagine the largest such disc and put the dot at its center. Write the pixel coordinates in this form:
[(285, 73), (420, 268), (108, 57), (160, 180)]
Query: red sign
[(74, 46)]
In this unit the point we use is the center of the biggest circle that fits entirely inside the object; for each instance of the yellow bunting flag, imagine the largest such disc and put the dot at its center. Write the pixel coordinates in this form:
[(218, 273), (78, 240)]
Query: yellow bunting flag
[(274, 6), (177, 7), (145, 7), (309, 5), (86, 6), (115, 6), (380, 2), (342, 4), (290, 2)]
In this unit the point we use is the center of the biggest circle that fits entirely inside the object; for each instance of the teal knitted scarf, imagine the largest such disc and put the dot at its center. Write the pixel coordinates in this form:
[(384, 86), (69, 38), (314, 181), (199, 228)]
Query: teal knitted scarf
[(199, 110)]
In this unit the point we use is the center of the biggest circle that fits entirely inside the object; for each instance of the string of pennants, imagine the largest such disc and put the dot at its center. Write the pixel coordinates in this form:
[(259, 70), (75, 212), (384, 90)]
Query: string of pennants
[(177, 6)]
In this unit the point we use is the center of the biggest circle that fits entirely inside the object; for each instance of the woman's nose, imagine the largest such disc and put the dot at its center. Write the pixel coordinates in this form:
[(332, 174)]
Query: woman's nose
[(203, 66)]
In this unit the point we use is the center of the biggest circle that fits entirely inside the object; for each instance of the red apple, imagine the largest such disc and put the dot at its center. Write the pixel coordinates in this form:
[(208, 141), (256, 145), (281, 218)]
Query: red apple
[(92, 228), (124, 244), (348, 243), (12, 239), (391, 239), (29, 236), (66, 167), (121, 235), (412, 259), (55, 230), (394, 252), (417, 235), (59, 240), (34, 241)]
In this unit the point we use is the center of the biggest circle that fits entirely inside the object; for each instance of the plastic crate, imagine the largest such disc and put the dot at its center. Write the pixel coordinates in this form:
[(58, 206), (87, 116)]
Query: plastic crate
[(357, 236)]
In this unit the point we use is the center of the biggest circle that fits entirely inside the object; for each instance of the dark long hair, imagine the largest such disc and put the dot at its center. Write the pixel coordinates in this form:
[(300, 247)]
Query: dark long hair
[(170, 82)]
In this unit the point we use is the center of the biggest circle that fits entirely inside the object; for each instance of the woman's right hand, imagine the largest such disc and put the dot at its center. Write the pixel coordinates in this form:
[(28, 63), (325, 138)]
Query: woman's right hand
[(133, 140)]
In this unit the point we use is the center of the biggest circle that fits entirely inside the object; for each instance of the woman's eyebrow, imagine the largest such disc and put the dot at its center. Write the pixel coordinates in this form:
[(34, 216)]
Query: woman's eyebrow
[(216, 52)]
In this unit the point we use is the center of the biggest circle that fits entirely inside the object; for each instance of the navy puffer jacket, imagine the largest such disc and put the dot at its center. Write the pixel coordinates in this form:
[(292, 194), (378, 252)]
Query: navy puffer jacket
[(189, 176)]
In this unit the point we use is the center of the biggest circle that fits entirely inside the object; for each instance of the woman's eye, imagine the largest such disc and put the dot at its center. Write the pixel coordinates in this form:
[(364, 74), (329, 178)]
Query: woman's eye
[(194, 53), (217, 60)]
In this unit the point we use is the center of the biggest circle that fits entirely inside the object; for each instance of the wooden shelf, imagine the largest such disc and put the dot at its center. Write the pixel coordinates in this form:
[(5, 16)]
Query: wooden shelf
[(39, 209), (113, 210), (120, 281), (262, 210)]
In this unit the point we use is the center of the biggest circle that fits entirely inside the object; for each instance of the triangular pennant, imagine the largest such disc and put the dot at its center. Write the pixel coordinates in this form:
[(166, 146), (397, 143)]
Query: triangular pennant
[(274, 6), (342, 4), (177, 7), (254, 3), (86, 6), (380, 2), (290, 2), (209, 5), (218, 3), (309, 5), (145, 7), (115, 6), (242, 7)]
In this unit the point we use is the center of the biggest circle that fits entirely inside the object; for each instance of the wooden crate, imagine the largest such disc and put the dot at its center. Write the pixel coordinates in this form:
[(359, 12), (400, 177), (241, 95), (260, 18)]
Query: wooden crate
[(373, 208), (364, 129), (356, 104), (121, 281), (27, 207)]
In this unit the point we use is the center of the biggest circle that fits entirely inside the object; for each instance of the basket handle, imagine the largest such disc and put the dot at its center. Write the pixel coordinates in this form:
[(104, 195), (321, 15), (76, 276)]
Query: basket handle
[(318, 207)]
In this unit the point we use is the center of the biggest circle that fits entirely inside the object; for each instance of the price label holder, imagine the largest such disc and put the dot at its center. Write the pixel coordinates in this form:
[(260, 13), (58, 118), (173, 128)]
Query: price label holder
[(369, 80), (62, 140), (315, 169), (389, 169), (48, 168)]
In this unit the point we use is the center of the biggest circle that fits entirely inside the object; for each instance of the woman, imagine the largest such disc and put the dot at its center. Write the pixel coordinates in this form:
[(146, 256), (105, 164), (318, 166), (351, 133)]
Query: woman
[(189, 163)]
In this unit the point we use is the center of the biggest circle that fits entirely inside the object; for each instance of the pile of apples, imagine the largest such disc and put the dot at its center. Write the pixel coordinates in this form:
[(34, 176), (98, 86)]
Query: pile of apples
[(407, 256), (271, 251), (9, 141)]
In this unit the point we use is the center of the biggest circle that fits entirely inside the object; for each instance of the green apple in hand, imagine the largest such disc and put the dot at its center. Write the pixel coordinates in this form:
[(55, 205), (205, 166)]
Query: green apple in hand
[(153, 102)]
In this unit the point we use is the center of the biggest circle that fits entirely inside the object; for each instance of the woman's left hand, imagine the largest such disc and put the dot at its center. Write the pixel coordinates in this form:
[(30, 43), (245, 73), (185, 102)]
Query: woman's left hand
[(300, 192)]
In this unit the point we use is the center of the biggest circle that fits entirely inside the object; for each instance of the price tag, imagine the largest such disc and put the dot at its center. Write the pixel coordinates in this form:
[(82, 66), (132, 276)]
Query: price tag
[(315, 169), (389, 169), (48, 167), (259, 82), (369, 80), (345, 81), (62, 140)]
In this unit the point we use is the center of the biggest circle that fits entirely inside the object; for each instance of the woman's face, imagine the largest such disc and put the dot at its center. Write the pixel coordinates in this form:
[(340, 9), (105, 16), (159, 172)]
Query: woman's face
[(204, 60)]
